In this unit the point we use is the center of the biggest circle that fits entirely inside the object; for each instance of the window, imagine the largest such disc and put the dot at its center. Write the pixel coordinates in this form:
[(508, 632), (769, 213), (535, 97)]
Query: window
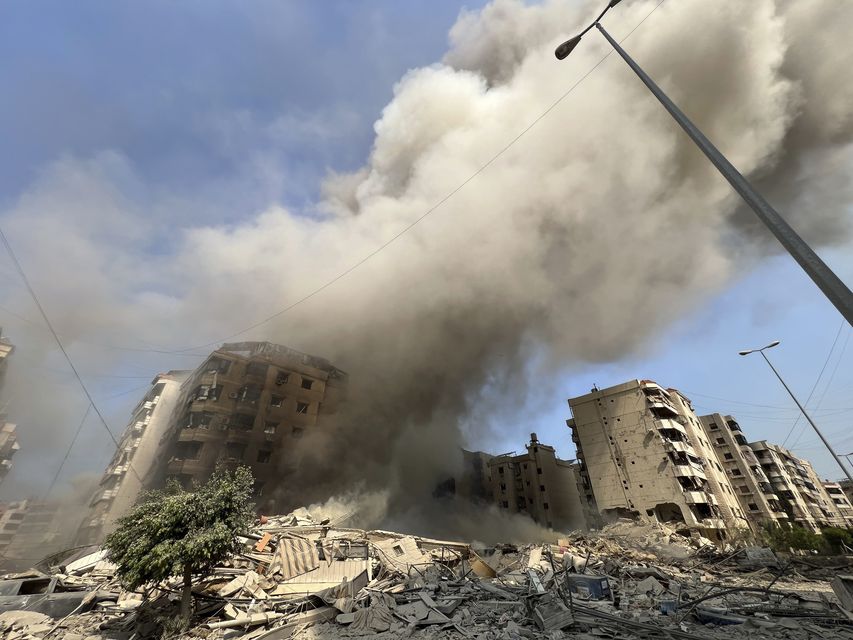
[(256, 369), (217, 365), (270, 428), (719, 468), (234, 450), (258, 489), (503, 487), (545, 506), (721, 441), (301, 407), (501, 470), (743, 488), (276, 401), (306, 383), (736, 472), (241, 422), (713, 426), (753, 507), (282, 378), (728, 456), (249, 393), (398, 550), (188, 450), (541, 487), (264, 455), (199, 420), (539, 470), (505, 504)]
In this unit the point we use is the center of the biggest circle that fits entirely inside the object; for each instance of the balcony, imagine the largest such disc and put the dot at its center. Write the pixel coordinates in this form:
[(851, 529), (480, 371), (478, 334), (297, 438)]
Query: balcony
[(669, 423), (179, 466), (689, 471), (106, 494), (673, 446), (696, 497)]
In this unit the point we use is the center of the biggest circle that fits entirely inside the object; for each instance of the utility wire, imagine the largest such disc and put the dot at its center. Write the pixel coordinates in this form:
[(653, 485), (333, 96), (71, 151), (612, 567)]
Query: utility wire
[(67, 452), (412, 224), (816, 382), (68, 359)]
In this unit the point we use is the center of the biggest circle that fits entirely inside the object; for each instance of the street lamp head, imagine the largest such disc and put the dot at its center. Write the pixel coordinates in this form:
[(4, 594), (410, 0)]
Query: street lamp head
[(566, 48), (772, 344), (745, 353)]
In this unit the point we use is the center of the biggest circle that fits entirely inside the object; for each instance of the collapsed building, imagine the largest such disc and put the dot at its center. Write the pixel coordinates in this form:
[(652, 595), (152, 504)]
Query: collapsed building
[(245, 405), (8, 431), (29, 529), (135, 460), (644, 453)]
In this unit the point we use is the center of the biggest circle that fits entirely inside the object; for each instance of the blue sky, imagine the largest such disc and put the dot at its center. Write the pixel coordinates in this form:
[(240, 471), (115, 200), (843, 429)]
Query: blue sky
[(236, 106)]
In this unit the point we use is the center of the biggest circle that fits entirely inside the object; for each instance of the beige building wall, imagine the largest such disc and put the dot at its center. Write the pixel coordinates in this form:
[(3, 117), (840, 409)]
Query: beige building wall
[(751, 485), (247, 404), (8, 446), (136, 459), (841, 503), (643, 453), (797, 485), (539, 484)]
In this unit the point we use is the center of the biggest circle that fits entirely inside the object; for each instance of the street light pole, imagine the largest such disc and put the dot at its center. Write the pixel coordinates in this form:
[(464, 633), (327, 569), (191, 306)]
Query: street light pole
[(830, 284), (802, 409)]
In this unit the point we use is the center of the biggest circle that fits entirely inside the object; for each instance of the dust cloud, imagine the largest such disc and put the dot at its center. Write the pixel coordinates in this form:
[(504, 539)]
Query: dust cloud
[(588, 237)]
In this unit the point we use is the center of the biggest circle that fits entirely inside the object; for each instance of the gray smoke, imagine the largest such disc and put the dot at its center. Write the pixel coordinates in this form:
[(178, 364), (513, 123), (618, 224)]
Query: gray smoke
[(586, 238)]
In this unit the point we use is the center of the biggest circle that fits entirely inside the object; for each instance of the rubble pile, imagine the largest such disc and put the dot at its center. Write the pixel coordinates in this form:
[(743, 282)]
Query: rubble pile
[(301, 577)]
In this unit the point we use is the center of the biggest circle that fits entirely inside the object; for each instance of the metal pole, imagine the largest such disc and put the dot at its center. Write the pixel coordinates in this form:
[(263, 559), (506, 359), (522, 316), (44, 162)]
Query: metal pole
[(831, 285), (811, 422)]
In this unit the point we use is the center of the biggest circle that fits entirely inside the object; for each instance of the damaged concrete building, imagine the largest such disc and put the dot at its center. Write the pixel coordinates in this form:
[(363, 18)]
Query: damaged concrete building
[(642, 452), (753, 488), (136, 458), (798, 486), (8, 436), (538, 484), (247, 404)]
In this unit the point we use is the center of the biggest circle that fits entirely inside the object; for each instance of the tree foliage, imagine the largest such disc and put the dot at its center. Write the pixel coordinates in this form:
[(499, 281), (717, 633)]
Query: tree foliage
[(175, 532)]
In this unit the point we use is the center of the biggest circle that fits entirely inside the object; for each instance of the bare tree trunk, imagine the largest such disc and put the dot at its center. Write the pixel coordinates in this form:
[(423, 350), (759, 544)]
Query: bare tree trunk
[(187, 596)]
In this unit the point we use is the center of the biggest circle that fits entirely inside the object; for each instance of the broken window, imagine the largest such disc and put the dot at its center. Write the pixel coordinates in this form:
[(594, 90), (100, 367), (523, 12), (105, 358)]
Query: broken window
[(270, 428), (276, 401), (250, 393), (217, 365), (234, 450), (256, 369), (398, 550), (282, 378), (241, 422), (264, 455), (501, 470), (188, 450), (199, 420), (301, 407), (306, 383)]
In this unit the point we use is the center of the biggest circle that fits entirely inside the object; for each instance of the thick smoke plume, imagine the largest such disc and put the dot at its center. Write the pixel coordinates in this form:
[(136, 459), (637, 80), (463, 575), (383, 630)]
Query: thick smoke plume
[(586, 238)]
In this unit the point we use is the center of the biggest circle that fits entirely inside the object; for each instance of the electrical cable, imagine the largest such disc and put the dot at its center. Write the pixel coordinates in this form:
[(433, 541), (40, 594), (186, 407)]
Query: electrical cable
[(816, 382), (67, 452), (68, 359)]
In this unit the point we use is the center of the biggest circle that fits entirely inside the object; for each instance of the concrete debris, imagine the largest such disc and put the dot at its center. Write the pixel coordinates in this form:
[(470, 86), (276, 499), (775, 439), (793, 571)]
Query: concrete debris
[(298, 576)]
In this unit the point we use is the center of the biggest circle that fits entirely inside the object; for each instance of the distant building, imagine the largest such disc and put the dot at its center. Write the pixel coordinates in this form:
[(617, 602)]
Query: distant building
[(31, 530), (247, 404), (841, 502), (6, 349), (8, 445), (474, 482), (643, 453), (802, 494), (538, 484), (753, 489), (136, 460)]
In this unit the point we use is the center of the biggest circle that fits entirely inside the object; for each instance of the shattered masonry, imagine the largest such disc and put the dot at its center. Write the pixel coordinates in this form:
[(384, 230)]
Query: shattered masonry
[(298, 576)]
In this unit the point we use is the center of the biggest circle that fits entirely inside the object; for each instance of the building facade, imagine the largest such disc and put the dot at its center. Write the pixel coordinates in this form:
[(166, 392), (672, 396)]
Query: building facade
[(841, 503), (642, 453), (798, 486), (248, 404), (31, 530), (135, 461), (753, 488), (538, 484), (6, 349), (8, 436)]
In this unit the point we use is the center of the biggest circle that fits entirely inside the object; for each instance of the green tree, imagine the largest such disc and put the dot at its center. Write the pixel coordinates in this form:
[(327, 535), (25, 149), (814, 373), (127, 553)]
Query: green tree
[(175, 533)]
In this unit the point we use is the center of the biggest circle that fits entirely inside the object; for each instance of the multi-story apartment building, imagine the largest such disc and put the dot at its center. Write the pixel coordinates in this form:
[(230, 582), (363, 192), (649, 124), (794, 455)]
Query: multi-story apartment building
[(6, 349), (847, 487), (753, 489), (31, 530), (8, 445), (136, 458), (798, 487), (247, 404), (842, 503), (643, 453), (538, 484)]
